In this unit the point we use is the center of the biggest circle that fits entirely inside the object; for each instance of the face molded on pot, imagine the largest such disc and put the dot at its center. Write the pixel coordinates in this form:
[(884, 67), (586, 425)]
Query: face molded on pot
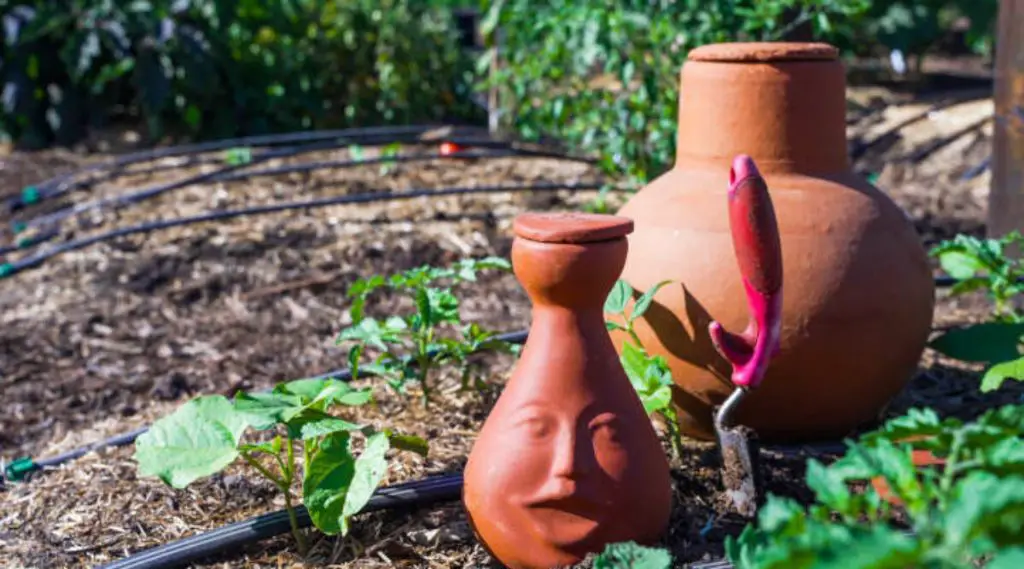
[(860, 295), (567, 461)]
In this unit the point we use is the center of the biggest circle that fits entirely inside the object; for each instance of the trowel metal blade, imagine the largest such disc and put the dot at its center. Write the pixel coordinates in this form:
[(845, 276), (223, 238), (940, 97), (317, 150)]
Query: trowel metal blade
[(741, 472)]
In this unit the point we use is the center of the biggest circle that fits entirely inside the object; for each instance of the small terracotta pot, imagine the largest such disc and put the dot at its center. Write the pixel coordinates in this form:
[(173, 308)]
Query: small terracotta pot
[(567, 461), (859, 298)]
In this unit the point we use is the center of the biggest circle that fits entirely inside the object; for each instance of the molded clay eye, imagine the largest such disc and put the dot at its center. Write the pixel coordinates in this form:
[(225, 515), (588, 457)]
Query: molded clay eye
[(536, 425), (607, 426)]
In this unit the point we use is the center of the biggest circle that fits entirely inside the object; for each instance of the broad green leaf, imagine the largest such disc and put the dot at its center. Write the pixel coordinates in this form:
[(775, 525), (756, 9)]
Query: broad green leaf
[(959, 264), (634, 362), (618, 297), (312, 423), (326, 482), (265, 410), (423, 305), (370, 469), (997, 374), (1012, 558), (988, 342), (197, 440), (630, 555), (644, 302)]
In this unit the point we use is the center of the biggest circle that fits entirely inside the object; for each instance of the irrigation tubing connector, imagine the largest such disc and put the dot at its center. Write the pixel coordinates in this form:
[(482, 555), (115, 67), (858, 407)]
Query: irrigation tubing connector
[(60, 184), (32, 261), (188, 550)]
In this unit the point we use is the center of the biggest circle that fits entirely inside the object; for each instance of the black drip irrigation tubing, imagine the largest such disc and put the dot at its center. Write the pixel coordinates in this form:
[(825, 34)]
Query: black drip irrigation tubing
[(61, 184), (32, 261), (184, 551), (233, 175)]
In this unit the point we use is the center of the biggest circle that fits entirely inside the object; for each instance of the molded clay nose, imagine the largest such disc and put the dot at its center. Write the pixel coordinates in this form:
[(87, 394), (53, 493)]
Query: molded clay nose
[(743, 167)]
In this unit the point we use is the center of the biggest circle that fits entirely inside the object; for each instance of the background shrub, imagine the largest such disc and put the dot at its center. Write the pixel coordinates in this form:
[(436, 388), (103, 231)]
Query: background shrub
[(216, 68)]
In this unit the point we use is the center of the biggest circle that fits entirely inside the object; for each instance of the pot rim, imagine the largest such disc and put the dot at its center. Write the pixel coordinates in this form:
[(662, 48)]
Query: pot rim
[(763, 52)]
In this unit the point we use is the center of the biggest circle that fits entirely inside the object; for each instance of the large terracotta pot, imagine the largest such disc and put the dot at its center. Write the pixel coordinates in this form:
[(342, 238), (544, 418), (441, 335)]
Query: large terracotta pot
[(859, 298), (567, 461)]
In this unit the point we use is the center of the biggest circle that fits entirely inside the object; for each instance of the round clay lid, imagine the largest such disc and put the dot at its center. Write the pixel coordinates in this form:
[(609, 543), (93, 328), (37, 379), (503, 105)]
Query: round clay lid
[(763, 52), (571, 227)]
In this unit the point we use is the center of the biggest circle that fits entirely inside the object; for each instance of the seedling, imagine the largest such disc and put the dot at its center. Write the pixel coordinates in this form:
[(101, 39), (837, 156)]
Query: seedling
[(630, 555), (982, 264), (411, 346), (204, 436), (956, 515), (650, 375)]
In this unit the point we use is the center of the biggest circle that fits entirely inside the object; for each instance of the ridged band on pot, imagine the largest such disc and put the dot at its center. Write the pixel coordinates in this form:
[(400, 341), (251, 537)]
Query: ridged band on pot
[(860, 295)]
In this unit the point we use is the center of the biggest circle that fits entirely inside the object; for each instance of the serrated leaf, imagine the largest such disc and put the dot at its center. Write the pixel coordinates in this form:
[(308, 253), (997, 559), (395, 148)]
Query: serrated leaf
[(630, 555), (197, 440), (985, 507), (987, 342), (828, 486), (997, 374), (618, 297)]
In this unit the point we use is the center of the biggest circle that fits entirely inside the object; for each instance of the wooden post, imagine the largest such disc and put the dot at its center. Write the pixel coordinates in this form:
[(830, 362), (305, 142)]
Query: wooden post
[(1006, 195)]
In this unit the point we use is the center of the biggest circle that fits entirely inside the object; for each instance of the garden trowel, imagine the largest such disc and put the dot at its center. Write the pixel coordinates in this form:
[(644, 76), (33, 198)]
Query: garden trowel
[(755, 238)]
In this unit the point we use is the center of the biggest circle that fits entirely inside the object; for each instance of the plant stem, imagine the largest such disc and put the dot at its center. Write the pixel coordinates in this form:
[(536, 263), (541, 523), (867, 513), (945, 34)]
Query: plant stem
[(289, 476), (259, 467)]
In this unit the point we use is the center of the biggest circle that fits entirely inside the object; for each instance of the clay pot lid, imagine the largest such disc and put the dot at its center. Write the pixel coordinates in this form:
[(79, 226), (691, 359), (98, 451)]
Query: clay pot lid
[(763, 52), (571, 227)]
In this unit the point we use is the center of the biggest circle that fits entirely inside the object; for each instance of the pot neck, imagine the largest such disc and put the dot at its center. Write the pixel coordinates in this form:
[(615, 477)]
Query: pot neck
[(789, 116)]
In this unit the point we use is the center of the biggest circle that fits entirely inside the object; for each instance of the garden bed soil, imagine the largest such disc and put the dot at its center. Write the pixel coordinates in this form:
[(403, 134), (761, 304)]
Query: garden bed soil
[(103, 340)]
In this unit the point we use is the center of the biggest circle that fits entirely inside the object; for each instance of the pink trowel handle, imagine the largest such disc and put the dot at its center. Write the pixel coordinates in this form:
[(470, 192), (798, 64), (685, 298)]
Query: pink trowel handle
[(755, 239)]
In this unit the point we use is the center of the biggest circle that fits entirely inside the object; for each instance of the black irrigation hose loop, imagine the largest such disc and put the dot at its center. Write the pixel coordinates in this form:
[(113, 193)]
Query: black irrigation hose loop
[(153, 191), (24, 243), (14, 267), (188, 550), (59, 184)]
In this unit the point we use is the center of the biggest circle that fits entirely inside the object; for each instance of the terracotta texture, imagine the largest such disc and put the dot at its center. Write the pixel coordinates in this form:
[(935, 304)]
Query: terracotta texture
[(859, 291), (567, 461)]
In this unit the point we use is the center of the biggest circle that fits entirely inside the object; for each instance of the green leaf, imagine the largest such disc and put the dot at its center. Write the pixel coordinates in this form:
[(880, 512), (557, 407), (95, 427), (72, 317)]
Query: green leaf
[(618, 297), (644, 302), (423, 305), (660, 399), (370, 469), (311, 424), (988, 342), (1012, 558), (610, 326), (828, 486), (410, 443), (986, 507), (326, 482), (197, 440), (997, 374), (265, 410), (630, 555), (959, 264)]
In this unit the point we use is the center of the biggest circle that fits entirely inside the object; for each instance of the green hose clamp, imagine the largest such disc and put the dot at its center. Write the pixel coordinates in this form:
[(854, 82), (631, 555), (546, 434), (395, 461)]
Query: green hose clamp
[(23, 242), (30, 195), (6, 270), (17, 469)]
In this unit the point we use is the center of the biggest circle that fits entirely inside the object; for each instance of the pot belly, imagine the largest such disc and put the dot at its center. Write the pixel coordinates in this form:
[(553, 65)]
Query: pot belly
[(857, 308)]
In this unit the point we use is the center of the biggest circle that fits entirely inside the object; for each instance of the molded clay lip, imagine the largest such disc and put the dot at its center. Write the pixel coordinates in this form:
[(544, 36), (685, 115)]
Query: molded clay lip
[(571, 227), (763, 52)]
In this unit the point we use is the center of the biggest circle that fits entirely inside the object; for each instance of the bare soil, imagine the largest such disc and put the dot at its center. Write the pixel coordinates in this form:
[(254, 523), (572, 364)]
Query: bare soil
[(103, 340)]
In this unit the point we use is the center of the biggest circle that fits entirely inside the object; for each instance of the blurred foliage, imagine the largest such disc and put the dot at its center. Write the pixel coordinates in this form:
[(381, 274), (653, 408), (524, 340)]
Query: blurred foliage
[(218, 68), (603, 76)]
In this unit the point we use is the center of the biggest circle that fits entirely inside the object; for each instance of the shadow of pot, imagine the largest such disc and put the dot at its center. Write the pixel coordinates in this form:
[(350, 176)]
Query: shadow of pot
[(921, 459)]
